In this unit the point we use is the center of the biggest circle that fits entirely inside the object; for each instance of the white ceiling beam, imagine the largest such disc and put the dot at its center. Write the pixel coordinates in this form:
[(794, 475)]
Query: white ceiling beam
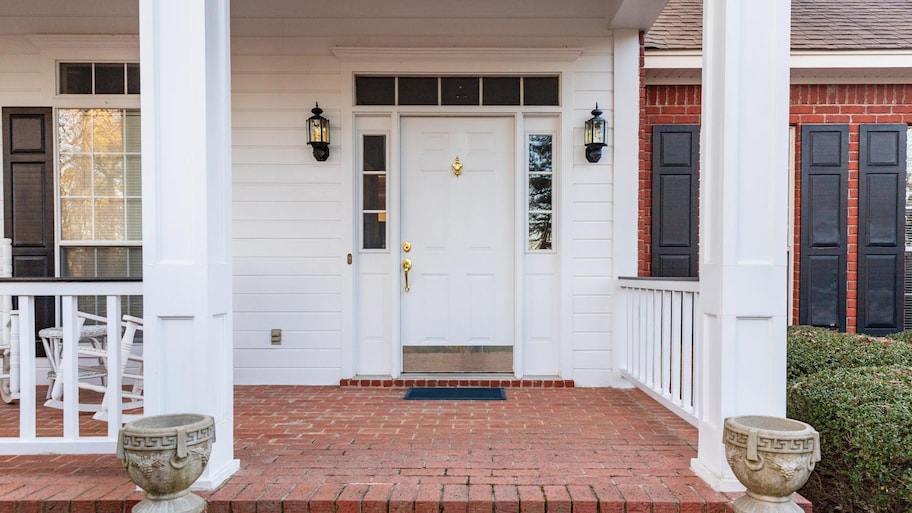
[(633, 14)]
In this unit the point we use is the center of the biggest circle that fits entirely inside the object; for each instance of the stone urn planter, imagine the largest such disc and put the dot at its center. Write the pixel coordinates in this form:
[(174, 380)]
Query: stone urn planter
[(772, 457), (164, 455)]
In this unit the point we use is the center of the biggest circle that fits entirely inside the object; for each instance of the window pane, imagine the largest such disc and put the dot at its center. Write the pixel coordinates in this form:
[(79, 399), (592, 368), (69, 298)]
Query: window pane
[(132, 131), (109, 78), (77, 262), (375, 90), (540, 153), (134, 219), (109, 219), (375, 230), (74, 130), (539, 231), (75, 219), (500, 90), (75, 175), (541, 91), (134, 175), (132, 78), (135, 262), (374, 153), (75, 78), (111, 262), (374, 192), (108, 130), (539, 192), (417, 90), (459, 90), (109, 176)]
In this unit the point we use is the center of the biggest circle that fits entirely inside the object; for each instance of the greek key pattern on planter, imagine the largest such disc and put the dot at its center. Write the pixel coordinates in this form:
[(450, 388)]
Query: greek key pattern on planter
[(794, 445), (149, 463), (155, 443)]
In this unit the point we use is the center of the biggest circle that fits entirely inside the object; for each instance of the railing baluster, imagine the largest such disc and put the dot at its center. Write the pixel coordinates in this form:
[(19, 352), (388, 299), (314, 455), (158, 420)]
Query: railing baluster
[(676, 346), (27, 370), (113, 397), (662, 345), (69, 367)]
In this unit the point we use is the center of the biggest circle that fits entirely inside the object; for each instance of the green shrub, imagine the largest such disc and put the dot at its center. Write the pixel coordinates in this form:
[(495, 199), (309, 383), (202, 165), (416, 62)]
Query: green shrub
[(902, 336), (814, 349), (864, 416)]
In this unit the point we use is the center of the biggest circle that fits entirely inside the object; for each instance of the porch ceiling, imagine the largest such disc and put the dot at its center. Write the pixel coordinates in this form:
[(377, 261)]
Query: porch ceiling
[(121, 16)]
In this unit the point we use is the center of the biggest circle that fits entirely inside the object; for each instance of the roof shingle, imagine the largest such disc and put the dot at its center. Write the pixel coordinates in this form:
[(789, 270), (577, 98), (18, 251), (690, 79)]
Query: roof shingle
[(816, 25)]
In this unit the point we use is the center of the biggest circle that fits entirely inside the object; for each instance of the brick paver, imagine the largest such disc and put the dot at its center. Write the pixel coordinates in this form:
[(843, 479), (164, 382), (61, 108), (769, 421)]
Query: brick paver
[(352, 449)]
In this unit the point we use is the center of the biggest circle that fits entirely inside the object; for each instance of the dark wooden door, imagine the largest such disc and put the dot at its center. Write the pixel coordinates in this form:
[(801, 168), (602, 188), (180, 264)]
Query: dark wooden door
[(824, 212), (881, 223), (675, 170), (28, 197)]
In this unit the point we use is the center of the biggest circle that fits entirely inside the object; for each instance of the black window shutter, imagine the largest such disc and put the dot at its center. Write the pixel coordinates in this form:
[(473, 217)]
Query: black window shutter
[(675, 170), (28, 199), (824, 212), (881, 224)]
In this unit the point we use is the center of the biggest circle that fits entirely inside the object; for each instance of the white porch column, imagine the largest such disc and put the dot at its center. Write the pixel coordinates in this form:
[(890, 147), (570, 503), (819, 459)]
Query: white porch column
[(186, 138), (743, 216), (626, 179)]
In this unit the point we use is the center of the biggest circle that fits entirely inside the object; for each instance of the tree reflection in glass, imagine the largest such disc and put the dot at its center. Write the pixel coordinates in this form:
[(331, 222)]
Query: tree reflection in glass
[(541, 172)]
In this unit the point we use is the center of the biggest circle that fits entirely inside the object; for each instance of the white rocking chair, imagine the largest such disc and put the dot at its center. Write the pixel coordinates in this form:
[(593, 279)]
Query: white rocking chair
[(130, 373)]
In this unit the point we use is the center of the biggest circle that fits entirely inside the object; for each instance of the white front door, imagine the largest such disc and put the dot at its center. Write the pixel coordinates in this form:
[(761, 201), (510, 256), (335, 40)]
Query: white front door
[(457, 313)]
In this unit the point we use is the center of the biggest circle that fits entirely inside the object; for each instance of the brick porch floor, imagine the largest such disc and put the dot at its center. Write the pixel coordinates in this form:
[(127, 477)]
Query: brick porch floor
[(366, 450)]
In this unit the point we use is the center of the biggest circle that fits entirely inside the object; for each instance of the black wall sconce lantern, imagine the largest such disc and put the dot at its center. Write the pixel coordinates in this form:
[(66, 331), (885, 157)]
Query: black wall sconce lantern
[(596, 134), (318, 133)]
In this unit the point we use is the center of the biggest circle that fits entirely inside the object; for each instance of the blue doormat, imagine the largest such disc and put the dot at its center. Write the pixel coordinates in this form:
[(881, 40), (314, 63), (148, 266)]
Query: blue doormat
[(457, 393)]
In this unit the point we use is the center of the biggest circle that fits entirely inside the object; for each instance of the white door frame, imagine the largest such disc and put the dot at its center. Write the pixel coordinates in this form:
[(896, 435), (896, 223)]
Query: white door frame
[(439, 62)]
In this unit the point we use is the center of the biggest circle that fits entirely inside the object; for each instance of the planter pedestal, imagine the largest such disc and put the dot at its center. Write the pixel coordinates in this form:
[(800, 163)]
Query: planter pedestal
[(772, 457), (164, 455)]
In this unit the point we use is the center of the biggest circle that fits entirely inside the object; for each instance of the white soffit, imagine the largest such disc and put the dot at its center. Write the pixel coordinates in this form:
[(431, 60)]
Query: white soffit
[(865, 66)]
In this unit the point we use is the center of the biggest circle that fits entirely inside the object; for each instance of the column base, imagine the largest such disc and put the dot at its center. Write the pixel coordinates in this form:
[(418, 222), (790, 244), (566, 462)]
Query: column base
[(213, 477), (713, 479)]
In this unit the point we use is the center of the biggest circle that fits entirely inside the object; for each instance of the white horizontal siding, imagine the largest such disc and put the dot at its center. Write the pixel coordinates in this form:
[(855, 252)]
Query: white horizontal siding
[(590, 225)]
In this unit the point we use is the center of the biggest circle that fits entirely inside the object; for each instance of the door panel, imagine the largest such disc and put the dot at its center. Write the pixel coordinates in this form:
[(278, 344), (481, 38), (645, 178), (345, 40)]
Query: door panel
[(28, 194), (675, 168), (824, 211), (460, 229), (881, 222)]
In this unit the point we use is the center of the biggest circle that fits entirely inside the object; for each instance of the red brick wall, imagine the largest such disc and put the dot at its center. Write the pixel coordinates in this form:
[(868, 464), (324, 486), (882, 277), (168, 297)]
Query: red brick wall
[(810, 104), (665, 105)]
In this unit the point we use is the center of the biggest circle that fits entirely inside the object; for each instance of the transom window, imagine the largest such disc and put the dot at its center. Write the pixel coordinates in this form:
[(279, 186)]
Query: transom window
[(98, 78), (458, 90)]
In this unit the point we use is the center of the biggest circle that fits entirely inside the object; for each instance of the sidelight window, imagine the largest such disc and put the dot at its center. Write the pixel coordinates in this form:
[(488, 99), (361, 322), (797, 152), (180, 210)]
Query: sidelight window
[(541, 187), (373, 191)]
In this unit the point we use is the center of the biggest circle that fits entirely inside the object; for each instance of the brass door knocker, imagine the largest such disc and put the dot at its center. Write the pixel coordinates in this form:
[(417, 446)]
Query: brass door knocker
[(457, 167)]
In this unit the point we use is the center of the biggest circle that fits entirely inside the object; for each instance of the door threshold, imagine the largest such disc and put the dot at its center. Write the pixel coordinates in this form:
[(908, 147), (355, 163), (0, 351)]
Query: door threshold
[(461, 380)]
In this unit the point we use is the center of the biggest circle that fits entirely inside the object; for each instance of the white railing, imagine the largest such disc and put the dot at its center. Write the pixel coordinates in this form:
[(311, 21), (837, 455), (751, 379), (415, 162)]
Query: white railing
[(23, 375), (658, 342)]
